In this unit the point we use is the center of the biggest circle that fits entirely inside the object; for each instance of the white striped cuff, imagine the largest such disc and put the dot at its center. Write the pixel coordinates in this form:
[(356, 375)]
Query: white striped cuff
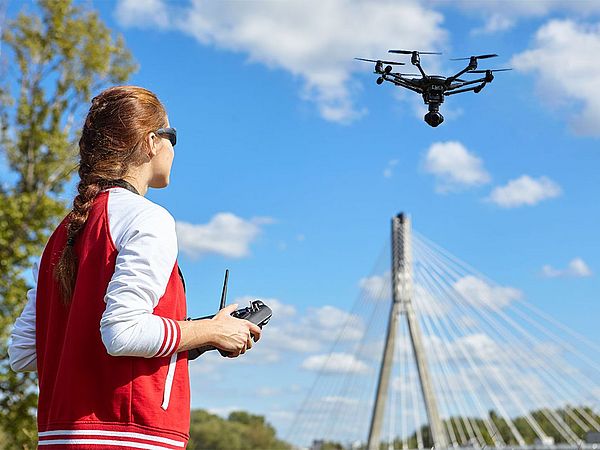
[(171, 338)]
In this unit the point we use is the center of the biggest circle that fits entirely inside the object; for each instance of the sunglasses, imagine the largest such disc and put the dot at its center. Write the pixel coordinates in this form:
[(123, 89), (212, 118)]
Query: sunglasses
[(168, 133)]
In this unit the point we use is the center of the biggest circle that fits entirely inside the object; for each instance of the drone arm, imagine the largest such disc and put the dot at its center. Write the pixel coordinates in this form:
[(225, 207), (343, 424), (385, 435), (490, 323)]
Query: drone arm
[(399, 81), (464, 83), (418, 65), (454, 77), (476, 89)]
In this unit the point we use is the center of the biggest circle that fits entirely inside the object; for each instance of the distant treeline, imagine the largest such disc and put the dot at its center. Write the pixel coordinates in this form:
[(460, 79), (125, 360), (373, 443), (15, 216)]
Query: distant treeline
[(573, 418)]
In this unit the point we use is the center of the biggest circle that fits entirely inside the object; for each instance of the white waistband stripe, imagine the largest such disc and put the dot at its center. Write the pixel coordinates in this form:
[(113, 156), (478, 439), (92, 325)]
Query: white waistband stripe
[(103, 442), (121, 434)]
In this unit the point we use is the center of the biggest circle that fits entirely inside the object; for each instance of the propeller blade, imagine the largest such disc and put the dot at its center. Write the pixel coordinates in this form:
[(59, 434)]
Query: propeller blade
[(408, 74), (491, 55), (381, 61), (489, 70), (410, 52)]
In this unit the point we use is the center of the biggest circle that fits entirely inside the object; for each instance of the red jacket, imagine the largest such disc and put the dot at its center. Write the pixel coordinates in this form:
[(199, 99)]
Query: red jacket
[(86, 395)]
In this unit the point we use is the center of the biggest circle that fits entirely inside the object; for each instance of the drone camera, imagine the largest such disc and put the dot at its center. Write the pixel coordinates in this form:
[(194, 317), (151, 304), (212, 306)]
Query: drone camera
[(434, 118)]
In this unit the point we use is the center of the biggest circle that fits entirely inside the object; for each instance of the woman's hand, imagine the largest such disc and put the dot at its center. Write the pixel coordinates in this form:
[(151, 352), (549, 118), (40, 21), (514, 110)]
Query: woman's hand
[(231, 335)]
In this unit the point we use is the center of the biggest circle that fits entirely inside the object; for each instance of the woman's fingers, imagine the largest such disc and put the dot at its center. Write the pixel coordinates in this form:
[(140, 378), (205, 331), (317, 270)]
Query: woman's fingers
[(254, 330)]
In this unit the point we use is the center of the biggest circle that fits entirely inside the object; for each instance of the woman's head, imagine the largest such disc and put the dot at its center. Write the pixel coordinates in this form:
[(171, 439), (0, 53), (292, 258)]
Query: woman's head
[(118, 141), (118, 132)]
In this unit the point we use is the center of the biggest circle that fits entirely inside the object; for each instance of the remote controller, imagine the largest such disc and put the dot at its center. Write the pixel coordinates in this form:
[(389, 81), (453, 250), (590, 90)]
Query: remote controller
[(258, 313)]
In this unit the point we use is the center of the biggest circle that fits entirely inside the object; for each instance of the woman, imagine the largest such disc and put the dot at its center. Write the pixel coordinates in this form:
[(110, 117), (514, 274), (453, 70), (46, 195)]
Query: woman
[(105, 326)]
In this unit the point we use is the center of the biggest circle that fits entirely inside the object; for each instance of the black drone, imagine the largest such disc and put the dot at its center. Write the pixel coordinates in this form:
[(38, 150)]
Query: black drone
[(433, 88)]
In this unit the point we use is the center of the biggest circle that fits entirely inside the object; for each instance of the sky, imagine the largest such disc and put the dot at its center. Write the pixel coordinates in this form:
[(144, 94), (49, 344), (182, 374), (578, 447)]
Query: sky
[(291, 161)]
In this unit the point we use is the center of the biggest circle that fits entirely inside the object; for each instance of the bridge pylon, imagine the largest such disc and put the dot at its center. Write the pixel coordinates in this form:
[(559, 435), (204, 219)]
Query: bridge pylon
[(402, 306)]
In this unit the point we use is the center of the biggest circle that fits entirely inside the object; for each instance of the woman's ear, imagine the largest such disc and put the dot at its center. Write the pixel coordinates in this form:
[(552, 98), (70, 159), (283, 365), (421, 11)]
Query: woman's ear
[(151, 145)]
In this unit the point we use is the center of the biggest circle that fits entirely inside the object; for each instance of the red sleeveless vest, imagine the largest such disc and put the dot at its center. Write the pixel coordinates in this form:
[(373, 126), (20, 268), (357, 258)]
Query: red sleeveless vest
[(88, 397)]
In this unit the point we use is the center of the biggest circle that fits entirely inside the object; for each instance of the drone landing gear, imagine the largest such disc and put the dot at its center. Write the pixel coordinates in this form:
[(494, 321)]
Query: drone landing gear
[(433, 117)]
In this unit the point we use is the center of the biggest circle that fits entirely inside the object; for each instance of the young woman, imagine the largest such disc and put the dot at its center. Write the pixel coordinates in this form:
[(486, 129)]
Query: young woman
[(105, 325)]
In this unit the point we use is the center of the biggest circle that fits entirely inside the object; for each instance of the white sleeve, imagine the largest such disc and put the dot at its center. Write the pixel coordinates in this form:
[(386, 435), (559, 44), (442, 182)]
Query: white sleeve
[(21, 345), (144, 234)]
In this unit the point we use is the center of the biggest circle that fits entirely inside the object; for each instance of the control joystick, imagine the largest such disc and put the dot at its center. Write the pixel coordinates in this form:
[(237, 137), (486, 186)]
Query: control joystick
[(258, 313)]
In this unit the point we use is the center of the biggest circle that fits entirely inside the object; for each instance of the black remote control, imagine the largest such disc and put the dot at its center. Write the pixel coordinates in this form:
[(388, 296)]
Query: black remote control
[(258, 313)]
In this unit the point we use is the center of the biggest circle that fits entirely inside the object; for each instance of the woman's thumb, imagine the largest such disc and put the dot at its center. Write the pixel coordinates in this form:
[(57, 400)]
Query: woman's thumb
[(230, 308)]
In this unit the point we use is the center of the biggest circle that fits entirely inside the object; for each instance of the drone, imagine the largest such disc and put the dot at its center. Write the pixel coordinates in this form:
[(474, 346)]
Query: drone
[(433, 88)]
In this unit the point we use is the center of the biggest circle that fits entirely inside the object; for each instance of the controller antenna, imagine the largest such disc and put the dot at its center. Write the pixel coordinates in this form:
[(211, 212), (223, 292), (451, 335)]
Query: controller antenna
[(224, 292)]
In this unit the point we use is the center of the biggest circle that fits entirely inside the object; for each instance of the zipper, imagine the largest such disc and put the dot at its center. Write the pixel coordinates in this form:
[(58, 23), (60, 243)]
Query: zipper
[(169, 382)]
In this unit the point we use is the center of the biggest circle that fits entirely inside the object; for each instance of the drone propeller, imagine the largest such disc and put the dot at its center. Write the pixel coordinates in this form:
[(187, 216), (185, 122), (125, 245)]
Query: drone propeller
[(410, 52), (491, 55), (407, 74), (488, 70), (381, 61)]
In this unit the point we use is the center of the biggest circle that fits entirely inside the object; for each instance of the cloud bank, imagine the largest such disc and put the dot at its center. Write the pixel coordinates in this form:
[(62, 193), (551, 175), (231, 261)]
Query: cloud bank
[(561, 63), (315, 41)]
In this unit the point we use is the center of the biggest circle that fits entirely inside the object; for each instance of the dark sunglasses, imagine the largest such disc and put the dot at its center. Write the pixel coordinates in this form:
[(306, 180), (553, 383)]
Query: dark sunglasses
[(168, 133)]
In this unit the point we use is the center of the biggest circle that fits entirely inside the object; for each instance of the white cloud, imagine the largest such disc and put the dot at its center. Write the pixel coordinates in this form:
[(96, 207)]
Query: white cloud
[(502, 15), (427, 304), (314, 330), (148, 13), (342, 401), (577, 269), (377, 287), (225, 234), (389, 169), (314, 41), (495, 23), (524, 191), (565, 74), (335, 363), (454, 166), (225, 410), (480, 294), (266, 391), (280, 309)]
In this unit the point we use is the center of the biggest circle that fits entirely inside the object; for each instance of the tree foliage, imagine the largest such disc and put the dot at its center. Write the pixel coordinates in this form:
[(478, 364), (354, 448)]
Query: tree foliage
[(58, 56), (240, 431)]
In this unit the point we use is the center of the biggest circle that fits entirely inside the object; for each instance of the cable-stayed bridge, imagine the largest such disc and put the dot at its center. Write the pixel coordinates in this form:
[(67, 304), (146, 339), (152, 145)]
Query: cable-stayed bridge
[(435, 354)]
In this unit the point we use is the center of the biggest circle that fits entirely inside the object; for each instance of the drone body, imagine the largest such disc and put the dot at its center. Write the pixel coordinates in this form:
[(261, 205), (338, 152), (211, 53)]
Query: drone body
[(433, 88)]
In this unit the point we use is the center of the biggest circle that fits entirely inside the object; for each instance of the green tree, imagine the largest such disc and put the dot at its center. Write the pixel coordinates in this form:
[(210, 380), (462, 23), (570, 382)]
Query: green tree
[(58, 56), (240, 431)]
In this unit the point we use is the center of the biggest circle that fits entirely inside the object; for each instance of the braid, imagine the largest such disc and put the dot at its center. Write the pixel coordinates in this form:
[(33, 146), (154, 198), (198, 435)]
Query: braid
[(66, 269), (113, 134)]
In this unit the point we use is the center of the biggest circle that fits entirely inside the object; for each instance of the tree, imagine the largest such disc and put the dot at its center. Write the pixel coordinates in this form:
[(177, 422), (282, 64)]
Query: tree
[(240, 431), (59, 56)]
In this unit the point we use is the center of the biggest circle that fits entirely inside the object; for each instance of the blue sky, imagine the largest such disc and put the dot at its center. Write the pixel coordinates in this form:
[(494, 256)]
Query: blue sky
[(291, 161)]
